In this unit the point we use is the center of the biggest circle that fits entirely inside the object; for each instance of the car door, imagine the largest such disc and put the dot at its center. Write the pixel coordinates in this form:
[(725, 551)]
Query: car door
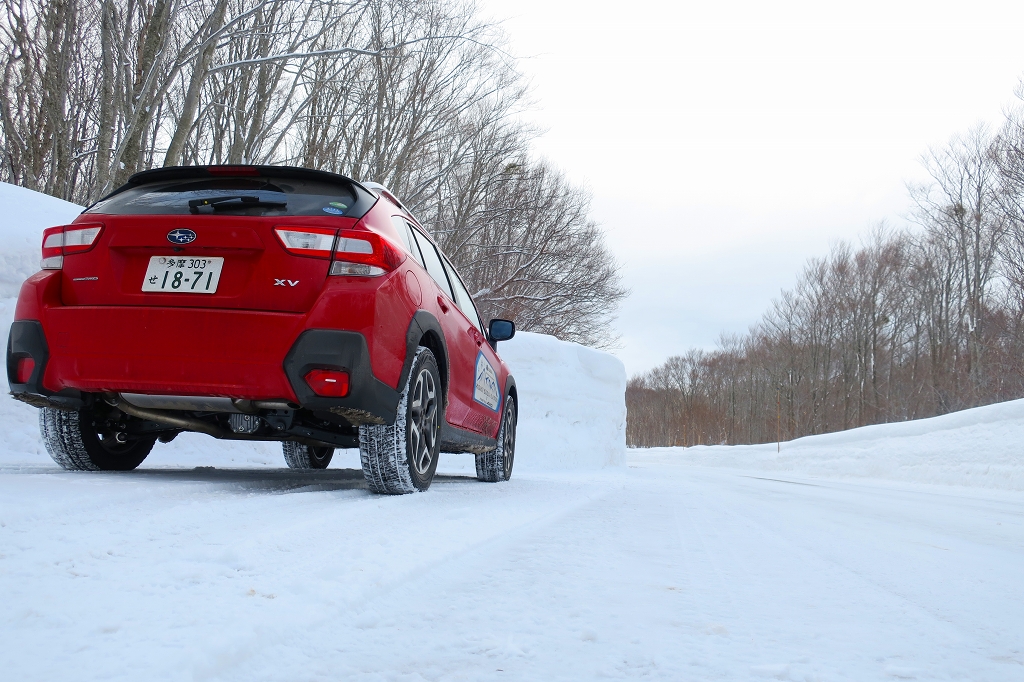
[(485, 393), (460, 354)]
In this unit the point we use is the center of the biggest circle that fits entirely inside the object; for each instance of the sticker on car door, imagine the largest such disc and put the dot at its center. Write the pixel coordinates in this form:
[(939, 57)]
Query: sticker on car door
[(485, 391)]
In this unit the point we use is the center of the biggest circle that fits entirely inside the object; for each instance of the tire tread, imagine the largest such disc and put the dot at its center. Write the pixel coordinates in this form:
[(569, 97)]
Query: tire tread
[(490, 466), (62, 436), (74, 445), (383, 449), (298, 455)]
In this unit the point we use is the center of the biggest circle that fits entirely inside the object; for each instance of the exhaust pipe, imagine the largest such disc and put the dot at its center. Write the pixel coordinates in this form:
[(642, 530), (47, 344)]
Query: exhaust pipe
[(184, 423), (177, 421), (202, 403)]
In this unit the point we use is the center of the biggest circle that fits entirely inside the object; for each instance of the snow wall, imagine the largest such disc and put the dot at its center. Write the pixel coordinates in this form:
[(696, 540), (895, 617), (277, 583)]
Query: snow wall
[(24, 215), (572, 412), (980, 447), (573, 404)]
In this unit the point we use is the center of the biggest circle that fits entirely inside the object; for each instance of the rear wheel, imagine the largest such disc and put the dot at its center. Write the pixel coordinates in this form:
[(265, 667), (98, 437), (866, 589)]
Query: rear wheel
[(496, 465), (83, 441), (299, 456), (402, 457)]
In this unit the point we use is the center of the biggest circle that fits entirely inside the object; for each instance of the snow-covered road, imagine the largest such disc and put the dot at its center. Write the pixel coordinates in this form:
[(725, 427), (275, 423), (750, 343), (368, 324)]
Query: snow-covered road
[(659, 571)]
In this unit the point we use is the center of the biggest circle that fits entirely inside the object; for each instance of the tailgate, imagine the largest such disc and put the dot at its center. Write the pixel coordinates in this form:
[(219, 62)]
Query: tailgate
[(238, 262)]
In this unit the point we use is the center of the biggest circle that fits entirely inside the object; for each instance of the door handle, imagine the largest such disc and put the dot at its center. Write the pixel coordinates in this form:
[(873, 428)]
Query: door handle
[(477, 336), (444, 306)]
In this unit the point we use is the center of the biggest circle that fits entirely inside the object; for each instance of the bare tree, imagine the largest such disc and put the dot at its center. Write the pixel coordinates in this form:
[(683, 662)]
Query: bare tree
[(531, 254), (961, 212)]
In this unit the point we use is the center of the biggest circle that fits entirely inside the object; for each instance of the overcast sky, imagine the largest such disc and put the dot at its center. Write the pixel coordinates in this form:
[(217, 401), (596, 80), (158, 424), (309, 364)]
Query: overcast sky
[(726, 143)]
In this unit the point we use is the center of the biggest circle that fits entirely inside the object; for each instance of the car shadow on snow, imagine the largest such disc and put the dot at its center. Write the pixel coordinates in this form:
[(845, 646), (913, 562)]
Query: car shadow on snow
[(272, 481), (261, 480)]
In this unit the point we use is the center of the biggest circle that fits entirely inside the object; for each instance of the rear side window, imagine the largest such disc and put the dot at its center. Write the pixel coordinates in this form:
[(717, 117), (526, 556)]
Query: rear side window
[(462, 297), (246, 196), (433, 263), (405, 232)]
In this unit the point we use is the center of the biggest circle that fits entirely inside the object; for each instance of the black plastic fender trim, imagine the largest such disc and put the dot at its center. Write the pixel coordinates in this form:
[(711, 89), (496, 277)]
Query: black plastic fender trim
[(27, 340), (510, 389), (370, 400)]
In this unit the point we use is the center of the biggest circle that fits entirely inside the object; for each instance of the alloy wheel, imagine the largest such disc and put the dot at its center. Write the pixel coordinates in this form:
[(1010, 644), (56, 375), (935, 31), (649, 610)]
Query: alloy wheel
[(508, 444), (422, 421)]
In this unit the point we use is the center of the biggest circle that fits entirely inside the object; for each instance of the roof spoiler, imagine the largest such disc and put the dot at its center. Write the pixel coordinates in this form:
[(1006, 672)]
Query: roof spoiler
[(186, 172), (191, 172)]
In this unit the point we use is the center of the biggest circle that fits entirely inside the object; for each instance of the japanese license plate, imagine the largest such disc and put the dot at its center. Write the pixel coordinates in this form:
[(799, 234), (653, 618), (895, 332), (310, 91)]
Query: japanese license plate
[(174, 275)]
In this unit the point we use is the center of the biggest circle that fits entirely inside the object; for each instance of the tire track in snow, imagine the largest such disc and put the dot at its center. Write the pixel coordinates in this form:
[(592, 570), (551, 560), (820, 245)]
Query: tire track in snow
[(912, 623), (624, 576)]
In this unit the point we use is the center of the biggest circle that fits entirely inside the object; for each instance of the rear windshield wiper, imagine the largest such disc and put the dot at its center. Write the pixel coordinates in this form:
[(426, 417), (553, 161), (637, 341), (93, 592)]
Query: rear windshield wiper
[(228, 202)]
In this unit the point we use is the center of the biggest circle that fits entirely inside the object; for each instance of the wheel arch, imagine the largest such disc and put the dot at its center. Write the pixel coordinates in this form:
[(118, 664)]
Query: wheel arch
[(425, 330), (512, 392)]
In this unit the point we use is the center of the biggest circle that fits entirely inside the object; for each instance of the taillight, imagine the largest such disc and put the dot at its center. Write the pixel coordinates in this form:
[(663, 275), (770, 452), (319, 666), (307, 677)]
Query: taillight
[(67, 240), (53, 248), (80, 240), (329, 383), (364, 254), (24, 370), (307, 241)]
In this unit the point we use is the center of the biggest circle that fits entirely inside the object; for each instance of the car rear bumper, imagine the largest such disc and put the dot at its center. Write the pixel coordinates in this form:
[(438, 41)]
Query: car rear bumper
[(246, 355)]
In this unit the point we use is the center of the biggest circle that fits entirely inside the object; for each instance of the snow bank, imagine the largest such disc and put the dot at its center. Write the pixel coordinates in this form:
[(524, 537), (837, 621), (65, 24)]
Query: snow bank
[(24, 215), (573, 411), (981, 447)]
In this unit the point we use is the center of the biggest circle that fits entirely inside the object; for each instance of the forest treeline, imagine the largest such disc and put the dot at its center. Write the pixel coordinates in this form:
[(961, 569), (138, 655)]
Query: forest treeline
[(419, 95), (911, 323)]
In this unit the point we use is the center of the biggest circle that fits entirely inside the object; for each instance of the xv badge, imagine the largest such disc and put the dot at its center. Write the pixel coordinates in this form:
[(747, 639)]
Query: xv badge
[(285, 282)]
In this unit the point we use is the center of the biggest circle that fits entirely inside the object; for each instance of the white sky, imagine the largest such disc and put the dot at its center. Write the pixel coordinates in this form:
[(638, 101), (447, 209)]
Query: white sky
[(726, 143)]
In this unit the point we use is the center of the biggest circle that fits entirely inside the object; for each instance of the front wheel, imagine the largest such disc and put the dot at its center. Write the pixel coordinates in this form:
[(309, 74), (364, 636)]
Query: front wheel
[(496, 465), (299, 456), (401, 458), (85, 441)]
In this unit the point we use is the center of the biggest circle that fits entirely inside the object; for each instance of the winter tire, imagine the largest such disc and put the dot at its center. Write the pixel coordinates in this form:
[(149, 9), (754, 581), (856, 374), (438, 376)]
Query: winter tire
[(496, 465), (75, 442), (299, 456), (402, 457)]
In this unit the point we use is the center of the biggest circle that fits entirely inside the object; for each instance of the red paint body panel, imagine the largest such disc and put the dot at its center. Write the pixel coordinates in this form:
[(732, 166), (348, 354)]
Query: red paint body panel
[(171, 351), (39, 292)]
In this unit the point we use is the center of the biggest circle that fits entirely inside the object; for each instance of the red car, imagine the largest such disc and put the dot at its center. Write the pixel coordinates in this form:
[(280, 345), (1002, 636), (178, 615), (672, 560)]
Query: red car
[(260, 303)]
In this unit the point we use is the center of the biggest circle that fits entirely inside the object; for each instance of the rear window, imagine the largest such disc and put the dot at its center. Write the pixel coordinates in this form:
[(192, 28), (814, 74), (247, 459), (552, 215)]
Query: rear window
[(256, 196)]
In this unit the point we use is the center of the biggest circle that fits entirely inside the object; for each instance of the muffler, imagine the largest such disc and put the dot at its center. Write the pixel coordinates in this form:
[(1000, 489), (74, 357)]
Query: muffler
[(203, 403), (185, 423)]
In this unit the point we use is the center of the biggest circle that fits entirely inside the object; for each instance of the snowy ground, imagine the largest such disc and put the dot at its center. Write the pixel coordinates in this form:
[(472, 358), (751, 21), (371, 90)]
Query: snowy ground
[(657, 571)]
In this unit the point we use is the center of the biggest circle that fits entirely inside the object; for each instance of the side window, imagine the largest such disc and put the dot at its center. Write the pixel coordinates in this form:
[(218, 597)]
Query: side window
[(462, 297), (405, 232), (433, 263)]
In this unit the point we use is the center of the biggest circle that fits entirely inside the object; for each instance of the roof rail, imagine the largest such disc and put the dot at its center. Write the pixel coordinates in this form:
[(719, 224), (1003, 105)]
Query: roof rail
[(381, 190)]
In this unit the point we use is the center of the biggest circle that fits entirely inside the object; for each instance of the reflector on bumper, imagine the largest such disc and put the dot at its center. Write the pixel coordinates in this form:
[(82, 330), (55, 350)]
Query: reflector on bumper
[(328, 383)]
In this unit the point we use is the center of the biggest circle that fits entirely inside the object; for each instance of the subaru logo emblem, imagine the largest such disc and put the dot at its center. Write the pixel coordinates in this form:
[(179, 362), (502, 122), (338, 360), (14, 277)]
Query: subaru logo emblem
[(181, 236)]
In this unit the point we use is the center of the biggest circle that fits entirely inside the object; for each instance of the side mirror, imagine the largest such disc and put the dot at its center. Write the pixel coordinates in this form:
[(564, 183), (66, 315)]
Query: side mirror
[(500, 330)]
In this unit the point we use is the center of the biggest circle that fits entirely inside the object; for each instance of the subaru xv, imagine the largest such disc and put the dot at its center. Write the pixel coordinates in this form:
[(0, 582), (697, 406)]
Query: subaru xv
[(264, 303)]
